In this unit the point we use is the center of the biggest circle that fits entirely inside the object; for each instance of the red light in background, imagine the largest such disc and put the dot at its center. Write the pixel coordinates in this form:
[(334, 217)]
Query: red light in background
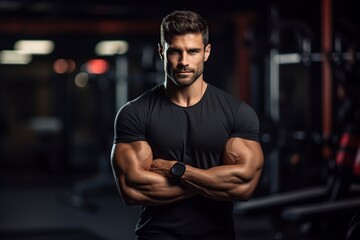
[(62, 66), (97, 66)]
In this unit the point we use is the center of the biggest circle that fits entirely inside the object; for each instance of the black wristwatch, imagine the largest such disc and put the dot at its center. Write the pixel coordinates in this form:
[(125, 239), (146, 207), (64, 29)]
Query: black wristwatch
[(178, 169)]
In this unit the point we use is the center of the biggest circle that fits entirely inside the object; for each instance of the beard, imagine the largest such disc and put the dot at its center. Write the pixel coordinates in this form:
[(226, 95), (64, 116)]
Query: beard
[(184, 77)]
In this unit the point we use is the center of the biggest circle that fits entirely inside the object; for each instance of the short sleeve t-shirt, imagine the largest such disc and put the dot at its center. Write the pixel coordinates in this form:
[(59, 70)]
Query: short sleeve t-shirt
[(195, 135)]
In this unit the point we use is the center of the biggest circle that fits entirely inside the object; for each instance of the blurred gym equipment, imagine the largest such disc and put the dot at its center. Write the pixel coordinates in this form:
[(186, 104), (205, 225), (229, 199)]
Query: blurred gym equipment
[(328, 210)]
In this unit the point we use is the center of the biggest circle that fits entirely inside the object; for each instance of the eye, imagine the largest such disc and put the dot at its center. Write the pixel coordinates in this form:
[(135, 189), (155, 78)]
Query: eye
[(193, 51), (173, 51)]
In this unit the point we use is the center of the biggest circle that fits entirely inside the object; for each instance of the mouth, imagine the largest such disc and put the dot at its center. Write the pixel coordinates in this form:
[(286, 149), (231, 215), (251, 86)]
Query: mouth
[(183, 74), (183, 71)]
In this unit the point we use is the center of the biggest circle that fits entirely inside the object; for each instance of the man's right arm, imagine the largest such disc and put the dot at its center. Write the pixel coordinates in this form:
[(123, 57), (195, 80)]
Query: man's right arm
[(131, 163)]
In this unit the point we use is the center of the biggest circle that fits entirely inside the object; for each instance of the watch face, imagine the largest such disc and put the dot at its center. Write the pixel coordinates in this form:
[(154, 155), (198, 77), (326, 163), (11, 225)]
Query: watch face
[(178, 169)]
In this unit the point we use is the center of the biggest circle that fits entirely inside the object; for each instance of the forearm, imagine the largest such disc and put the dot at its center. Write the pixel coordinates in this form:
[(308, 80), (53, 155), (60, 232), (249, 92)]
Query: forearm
[(227, 182), (149, 188), (136, 183)]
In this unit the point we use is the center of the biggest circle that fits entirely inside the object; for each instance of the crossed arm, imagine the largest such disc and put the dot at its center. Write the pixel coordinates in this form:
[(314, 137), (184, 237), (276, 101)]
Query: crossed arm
[(144, 180)]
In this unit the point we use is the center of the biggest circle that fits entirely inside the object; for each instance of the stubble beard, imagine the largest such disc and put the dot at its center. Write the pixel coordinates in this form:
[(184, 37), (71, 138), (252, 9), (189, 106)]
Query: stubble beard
[(182, 81)]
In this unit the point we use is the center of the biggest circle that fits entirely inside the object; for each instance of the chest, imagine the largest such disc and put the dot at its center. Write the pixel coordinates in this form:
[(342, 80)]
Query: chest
[(198, 130)]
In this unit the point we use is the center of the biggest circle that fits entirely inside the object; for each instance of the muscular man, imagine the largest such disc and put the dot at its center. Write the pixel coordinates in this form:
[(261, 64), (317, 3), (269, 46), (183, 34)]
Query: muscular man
[(185, 149)]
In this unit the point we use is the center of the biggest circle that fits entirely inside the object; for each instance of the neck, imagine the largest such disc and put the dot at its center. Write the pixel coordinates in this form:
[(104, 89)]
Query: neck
[(185, 96)]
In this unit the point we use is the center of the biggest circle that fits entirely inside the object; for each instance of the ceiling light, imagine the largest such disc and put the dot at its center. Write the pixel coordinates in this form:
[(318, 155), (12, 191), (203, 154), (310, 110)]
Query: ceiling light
[(111, 47), (14, 57), (35, 46)]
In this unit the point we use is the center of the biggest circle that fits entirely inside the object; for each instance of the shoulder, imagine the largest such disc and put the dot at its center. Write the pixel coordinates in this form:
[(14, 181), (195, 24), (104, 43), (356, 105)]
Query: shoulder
[(152, 93), (242, 118), (142, 101), (222, 94), (138, 107), (225, 98)]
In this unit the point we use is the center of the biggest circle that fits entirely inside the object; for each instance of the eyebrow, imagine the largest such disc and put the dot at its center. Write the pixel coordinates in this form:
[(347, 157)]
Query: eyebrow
[(190, 49)]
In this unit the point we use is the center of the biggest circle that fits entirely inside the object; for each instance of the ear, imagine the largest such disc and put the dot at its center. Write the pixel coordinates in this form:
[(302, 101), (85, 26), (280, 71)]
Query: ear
[(207, 52), (161, 51)]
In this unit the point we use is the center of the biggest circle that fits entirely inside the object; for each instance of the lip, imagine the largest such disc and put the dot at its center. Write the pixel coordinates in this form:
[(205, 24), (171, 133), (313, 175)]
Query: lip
[(183, 74)]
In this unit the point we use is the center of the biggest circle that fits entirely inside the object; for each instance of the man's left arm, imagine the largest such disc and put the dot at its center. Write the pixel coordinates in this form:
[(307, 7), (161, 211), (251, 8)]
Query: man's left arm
[(235, 180)]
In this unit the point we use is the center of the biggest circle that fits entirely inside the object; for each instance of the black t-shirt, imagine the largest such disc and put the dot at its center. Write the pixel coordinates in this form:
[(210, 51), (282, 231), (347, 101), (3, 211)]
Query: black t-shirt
[(195, 135)]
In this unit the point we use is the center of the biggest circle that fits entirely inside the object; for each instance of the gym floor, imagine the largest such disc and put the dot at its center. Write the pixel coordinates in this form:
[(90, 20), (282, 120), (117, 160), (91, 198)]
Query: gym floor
[(34, 206), (39, 206)]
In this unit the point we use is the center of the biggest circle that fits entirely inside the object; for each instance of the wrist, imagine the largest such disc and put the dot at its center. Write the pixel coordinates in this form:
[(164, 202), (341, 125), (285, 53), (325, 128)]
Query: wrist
[(178, 170)]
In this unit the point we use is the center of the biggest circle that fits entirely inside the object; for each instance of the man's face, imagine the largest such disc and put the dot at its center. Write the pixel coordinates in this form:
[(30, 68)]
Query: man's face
[(184, 57)]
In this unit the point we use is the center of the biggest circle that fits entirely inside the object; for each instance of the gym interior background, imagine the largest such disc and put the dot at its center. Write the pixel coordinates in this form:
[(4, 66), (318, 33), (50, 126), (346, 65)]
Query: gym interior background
[(295, 62)]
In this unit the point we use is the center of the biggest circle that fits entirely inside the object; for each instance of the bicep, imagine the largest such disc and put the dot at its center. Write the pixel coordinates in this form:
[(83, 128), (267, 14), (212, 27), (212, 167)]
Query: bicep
[(129, 162), (132, 156), (247, 154), (247, 158)]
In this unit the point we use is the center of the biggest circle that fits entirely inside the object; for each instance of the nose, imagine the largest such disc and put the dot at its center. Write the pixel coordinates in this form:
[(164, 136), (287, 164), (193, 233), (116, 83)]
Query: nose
[(184, 59)]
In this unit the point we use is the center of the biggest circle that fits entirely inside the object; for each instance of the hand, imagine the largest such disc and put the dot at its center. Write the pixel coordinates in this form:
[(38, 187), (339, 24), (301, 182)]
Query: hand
[(162, 167)]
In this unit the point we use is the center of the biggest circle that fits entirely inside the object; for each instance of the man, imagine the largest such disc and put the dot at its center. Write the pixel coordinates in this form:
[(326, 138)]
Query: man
[(185, 149)]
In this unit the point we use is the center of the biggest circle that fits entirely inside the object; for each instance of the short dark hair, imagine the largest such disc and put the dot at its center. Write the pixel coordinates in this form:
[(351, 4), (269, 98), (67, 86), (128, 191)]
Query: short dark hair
[(182, 22)]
